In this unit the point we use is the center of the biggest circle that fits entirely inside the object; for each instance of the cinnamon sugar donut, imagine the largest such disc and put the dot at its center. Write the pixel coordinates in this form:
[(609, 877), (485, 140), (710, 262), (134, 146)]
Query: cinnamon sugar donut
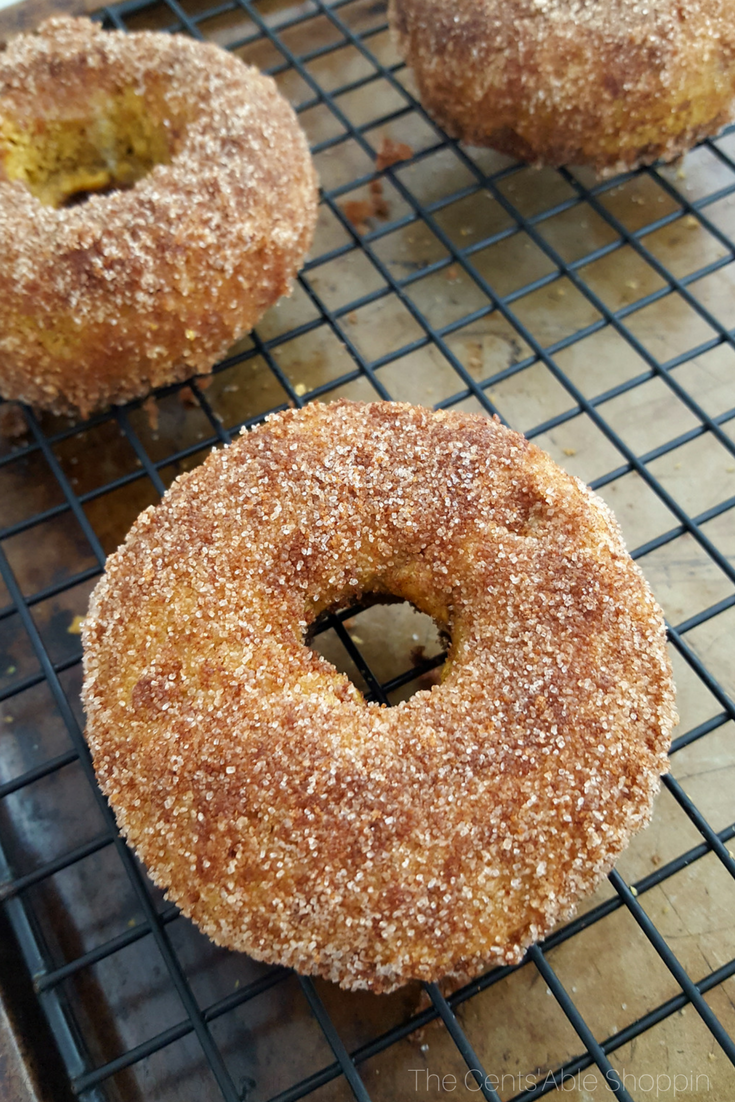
[(211, 211), (294, 821), (608, 83)]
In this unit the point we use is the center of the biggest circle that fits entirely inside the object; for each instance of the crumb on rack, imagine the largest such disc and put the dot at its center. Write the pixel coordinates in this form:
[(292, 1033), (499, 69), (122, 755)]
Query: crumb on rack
[(150, 406), (381, 205), (357, 211), (390, 153)]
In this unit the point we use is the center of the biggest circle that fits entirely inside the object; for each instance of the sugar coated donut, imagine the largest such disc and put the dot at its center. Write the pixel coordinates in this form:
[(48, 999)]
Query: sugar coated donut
[(609, 83), (291, 819), (200, 205)]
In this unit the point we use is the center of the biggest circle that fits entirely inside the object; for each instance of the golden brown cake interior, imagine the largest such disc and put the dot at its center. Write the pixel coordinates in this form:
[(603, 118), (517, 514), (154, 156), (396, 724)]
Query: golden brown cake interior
[(113, 144)]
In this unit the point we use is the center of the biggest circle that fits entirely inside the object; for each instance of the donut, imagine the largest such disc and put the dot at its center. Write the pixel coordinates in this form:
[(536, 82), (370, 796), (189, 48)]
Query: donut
[(293, 820), (609, 83), (156, 197)]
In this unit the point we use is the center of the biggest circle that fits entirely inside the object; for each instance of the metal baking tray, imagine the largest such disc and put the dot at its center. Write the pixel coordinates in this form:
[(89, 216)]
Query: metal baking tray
[(597, 317)]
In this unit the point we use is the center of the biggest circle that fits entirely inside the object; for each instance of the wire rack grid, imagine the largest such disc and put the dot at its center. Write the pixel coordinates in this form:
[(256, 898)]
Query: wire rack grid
[(595, 316)]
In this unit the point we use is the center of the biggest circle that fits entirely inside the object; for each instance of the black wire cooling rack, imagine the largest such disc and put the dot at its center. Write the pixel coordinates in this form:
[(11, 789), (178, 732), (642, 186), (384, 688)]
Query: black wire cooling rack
[(597, 317)]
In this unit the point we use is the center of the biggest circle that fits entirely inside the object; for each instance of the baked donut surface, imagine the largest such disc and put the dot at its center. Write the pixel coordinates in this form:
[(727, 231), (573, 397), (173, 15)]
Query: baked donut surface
[(608, 83), (293, 820), (212, 208)]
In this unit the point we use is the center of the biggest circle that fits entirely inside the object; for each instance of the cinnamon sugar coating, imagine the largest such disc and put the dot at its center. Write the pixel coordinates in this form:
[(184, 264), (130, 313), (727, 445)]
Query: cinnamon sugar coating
[(133, 289), (294, 821), (608, 83)]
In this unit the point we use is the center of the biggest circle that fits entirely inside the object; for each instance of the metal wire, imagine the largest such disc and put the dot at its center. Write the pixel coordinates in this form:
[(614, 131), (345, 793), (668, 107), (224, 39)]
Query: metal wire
[(88, 1078)]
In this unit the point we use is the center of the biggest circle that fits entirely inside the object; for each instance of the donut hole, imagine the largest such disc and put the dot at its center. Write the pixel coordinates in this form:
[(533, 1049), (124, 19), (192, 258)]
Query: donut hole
[(111, 144), (394, 639)]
